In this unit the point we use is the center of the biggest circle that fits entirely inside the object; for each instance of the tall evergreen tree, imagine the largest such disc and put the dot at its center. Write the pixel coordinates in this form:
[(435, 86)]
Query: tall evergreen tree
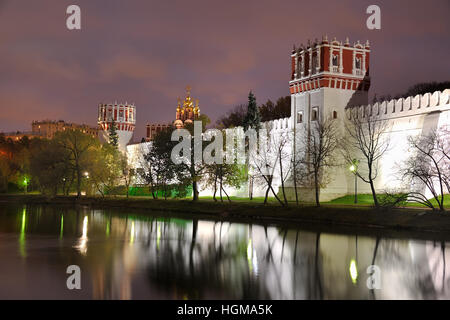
[(253, 117), (252, 120), (113, 136)]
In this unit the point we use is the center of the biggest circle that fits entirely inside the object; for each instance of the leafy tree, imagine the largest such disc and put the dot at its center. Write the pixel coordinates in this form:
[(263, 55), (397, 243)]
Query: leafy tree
[(418, 88), (113, 136), (190, 172), (128, 173), (14, 161), (78, 145), (49, 165), (233, 118), (221, 175), (104, 164), (424, 87), (160, 169), (280, 109)]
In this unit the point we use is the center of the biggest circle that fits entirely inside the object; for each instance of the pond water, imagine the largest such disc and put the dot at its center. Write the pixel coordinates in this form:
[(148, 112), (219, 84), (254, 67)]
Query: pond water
[(125, 255)]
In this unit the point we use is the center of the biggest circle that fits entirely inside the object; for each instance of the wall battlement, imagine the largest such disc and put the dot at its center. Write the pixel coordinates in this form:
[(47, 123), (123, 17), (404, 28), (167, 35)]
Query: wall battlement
[(410, 106)]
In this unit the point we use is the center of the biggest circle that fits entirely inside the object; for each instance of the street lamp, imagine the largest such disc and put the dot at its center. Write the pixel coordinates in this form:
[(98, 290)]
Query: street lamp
[(25, 183), (354, 169)]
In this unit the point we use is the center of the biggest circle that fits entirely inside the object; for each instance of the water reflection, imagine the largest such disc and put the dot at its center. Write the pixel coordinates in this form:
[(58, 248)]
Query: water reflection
[(82, 242), (146, 257), (22, 233)]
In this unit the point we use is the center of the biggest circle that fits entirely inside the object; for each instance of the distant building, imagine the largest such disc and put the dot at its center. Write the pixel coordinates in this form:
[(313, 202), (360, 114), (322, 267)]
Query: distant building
[(48, 128), (153, 129)]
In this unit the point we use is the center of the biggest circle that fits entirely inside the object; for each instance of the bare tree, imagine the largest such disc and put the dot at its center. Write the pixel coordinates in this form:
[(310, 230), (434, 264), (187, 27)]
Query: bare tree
[(365, 139), (429, 165), (320, 144), (264, 162), (283, 149)]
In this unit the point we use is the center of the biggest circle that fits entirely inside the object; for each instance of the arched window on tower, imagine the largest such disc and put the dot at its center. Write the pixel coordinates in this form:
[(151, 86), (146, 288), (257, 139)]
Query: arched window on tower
[(358, 70), (299, 117), (315, 114), (335, 62), (334, 114)]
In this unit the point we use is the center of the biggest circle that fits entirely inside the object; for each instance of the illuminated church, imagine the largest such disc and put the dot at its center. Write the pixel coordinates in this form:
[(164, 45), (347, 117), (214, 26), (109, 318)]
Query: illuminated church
[(188, 112)]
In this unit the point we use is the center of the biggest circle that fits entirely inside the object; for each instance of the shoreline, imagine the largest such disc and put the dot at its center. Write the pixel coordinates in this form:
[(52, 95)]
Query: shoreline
[(419, 223)]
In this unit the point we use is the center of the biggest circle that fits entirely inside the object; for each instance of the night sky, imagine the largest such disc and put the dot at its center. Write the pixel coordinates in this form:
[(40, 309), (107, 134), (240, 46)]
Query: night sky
[(146, 52)]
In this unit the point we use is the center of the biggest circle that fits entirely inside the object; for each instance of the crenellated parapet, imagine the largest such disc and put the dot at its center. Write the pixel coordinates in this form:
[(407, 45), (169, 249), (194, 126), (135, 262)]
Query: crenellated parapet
[(413, 105), (277, 124)]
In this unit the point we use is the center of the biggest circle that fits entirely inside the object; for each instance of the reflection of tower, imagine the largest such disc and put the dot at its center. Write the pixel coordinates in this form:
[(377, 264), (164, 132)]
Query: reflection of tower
[(188, 112), (124, 116)]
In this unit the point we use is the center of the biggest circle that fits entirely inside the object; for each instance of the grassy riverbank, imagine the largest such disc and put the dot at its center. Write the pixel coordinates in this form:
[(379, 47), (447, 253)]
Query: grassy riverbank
[(329, 216)]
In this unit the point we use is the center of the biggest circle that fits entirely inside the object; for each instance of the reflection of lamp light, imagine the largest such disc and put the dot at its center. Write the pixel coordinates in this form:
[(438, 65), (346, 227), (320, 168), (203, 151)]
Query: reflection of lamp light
[(22, 233), (82, 242), (353, 271), (132, 232)]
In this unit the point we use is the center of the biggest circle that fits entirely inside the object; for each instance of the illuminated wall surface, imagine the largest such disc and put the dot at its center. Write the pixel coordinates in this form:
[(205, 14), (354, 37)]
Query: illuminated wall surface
[(132, 256), (411, 116)]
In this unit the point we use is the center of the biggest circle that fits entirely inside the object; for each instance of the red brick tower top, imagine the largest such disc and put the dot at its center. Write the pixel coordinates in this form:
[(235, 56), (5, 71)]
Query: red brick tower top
[(330, 64)]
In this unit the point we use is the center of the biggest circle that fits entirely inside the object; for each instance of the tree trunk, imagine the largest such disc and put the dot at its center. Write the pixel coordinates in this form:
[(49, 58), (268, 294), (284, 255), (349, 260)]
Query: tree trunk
[(374, 194), (221, 187), (251, 187), (282, 181), (215, 189), (78, 181), (228, 197), (267, 194), (316, 187), (194, 190)]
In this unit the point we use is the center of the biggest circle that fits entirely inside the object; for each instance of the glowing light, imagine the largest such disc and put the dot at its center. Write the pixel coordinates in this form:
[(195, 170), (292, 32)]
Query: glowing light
[(132, 232), (352, 168), (251, 258), (108, 228), (22, 233), (353, 271), (158, 236), (62, 227), (82, 242), (249, 249)]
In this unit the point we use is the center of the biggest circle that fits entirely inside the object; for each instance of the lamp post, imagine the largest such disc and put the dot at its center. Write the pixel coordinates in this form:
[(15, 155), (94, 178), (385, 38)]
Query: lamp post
[(25, 184), (354, 170)]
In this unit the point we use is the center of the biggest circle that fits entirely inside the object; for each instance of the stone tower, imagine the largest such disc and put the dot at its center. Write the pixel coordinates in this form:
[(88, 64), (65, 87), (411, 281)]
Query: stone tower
[(124, 115), (326, 77)]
